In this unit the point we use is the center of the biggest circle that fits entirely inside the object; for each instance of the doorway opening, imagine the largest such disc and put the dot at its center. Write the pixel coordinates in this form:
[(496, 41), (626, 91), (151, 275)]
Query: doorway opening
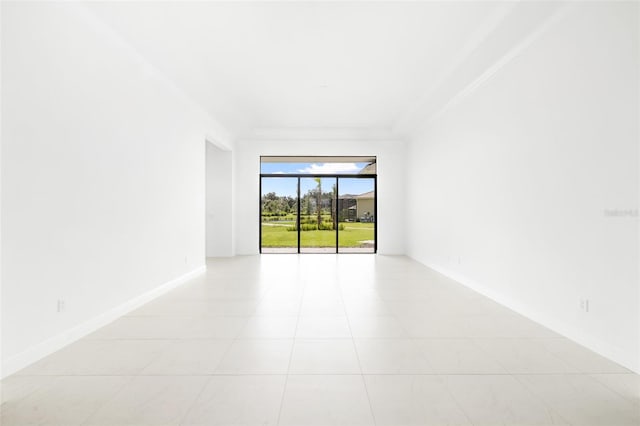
[(318, 204)]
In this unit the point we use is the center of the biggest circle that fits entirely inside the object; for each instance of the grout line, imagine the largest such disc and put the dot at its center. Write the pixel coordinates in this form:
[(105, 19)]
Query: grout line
[(611, 388), (211, 375), (550, 411), (453, 397), (222, 374), (293, 344), (226, 352), (195, 400), (108, 399), (355, 349)]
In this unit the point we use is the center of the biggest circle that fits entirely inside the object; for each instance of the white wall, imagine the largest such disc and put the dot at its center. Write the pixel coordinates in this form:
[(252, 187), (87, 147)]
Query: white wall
[(219, 221), (1, 118), (102, 178), (517, 179), (390, 155)]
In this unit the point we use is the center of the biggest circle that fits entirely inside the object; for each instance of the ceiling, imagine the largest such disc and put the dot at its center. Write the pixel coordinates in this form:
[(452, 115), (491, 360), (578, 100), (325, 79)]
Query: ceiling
[(303, 65)]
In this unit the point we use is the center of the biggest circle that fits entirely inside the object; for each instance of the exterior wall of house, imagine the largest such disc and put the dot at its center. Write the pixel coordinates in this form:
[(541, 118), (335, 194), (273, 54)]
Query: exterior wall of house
[(365, 205)]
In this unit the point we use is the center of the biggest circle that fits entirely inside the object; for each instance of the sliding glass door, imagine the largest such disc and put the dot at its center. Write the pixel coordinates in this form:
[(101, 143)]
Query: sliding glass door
[(357, 215), (304, 208), (279, 215), (318, 219)]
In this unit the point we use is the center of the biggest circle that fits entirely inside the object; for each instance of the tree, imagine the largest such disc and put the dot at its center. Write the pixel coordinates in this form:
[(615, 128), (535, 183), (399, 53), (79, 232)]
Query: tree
[(334, 207), (319, 203), (305, 203)]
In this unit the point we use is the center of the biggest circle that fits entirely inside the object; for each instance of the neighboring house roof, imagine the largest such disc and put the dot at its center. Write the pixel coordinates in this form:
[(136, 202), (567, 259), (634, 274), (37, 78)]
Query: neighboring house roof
[(365, 195), (369, 169)]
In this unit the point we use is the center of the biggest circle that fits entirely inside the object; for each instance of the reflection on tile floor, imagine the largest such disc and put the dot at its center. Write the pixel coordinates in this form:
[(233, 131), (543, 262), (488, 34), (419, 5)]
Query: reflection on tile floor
[(322, 340)]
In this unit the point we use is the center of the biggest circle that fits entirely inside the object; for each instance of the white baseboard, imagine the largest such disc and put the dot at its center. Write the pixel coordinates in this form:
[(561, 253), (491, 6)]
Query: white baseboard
[(569, 331), (71, 335)]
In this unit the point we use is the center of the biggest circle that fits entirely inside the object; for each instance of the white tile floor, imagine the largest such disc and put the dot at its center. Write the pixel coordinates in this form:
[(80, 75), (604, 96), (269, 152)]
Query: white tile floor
[(322, 340)]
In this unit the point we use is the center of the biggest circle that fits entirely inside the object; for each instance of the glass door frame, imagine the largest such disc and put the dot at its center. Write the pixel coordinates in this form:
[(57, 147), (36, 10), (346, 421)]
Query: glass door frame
[(337, 177)]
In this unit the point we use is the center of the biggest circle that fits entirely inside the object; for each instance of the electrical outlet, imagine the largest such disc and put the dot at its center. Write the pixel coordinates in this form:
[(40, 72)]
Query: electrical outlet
[(61, 305), (584, 305), (186, 260)]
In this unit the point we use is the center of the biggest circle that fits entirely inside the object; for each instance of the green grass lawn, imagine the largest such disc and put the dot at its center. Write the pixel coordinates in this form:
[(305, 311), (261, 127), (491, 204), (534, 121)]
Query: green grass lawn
[(275, 234)]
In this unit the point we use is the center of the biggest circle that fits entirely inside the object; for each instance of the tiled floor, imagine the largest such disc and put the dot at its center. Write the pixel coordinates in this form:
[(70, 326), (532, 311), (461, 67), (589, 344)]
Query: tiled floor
[(322, 340)]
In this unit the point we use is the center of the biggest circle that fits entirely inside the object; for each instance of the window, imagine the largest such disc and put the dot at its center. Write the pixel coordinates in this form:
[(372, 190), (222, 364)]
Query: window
[(318, 205)]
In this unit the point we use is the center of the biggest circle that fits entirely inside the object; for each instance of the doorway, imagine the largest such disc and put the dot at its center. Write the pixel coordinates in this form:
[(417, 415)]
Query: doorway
[(318, 205), (218, 201)]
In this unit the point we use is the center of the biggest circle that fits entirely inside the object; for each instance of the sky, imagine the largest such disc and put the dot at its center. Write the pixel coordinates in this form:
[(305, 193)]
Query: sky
[(288, 186), (311, 168)]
